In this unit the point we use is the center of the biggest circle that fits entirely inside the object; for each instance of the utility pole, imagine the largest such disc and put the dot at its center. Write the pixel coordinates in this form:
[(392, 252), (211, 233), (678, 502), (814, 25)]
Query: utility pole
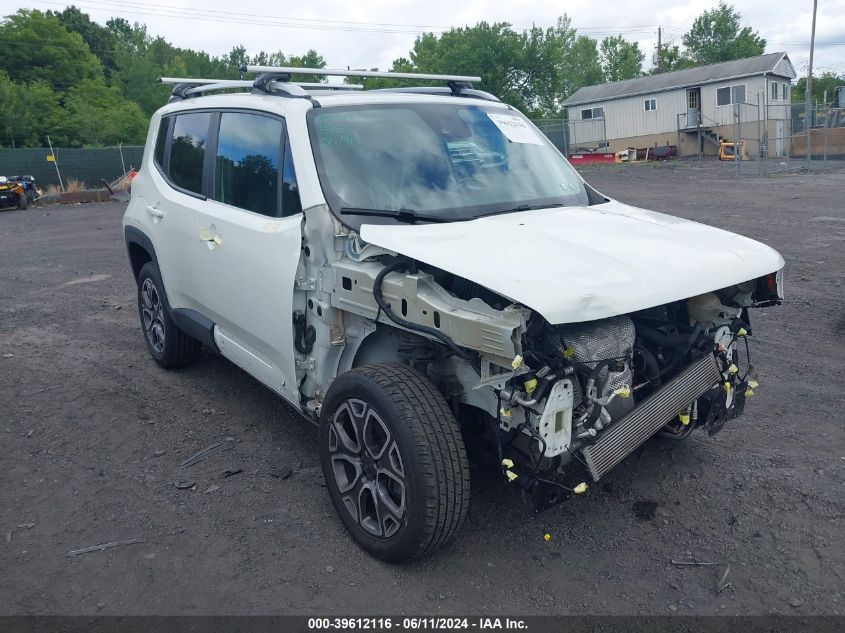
[(808, 96), (659, 47)]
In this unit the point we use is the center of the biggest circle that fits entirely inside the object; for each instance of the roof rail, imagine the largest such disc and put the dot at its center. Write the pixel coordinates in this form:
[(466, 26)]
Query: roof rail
[(184, 87)]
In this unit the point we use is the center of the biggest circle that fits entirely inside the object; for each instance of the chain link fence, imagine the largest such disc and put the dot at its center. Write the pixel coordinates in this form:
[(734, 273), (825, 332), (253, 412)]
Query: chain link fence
[(88, 166), (763, 139)]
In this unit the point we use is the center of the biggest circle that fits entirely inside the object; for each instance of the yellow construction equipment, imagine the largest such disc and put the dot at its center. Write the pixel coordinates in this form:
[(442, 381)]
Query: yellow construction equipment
[(727, 150)]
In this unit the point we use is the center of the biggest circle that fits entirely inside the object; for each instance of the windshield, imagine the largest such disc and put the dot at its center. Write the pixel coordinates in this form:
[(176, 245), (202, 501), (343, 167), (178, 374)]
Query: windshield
[(443, 161)]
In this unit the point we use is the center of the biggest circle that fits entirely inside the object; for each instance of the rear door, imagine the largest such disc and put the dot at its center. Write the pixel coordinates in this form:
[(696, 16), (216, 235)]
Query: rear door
[(248, 246), (171, 198)]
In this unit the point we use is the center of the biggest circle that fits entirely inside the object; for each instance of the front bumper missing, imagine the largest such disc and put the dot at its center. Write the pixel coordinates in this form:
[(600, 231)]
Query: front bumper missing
[(649, 417)]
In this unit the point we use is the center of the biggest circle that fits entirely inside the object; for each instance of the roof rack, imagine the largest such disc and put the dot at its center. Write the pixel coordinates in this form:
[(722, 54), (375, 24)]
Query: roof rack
[(184, 87), (457, 83), (277, 80)]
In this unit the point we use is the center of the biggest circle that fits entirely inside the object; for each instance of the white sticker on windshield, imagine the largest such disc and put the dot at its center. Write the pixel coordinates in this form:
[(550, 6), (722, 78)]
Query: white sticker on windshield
[(515, 129)]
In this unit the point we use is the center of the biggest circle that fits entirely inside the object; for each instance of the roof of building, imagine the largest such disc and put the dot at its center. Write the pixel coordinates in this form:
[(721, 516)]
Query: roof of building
[(769, 63)]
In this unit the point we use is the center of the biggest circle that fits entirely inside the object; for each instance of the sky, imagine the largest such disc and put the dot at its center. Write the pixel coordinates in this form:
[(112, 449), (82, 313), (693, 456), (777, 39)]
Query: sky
[(372, 33)]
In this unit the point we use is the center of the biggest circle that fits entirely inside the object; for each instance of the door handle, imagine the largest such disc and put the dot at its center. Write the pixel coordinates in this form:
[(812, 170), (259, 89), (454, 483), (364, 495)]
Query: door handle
[(154, 211)]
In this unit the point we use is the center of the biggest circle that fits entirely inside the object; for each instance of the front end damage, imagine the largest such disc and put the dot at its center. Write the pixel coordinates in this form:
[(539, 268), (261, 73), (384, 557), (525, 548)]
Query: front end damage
[(591, 393), (549, 399)]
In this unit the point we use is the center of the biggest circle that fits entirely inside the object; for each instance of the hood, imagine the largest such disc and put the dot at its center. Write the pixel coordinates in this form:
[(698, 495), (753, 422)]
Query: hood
[(575, 264)]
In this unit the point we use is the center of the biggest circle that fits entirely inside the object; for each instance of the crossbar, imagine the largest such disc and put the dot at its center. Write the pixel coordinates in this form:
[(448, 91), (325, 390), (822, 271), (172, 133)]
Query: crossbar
[(336, 72)]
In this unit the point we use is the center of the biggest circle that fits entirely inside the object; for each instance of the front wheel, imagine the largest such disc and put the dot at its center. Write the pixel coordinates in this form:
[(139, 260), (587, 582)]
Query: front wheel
[(394, 461)]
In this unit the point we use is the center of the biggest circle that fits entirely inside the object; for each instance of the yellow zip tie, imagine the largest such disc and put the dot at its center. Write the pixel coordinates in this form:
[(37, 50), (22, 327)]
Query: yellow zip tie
[(582, 487)]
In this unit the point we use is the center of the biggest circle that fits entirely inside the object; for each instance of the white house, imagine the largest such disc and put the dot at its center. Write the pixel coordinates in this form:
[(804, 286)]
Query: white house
[(691, 109)]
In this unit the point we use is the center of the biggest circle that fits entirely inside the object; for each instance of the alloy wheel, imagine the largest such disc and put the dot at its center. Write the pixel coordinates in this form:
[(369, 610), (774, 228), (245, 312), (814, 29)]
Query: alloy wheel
[(152, 315), (367, 468)]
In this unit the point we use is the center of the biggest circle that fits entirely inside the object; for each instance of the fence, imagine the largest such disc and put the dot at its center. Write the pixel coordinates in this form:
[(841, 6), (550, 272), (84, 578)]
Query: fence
[(772, 138), (90, 166), (589, 134), (821, 136)]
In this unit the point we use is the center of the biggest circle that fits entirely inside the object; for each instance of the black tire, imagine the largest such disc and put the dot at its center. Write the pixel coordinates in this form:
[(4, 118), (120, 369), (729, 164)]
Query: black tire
[(417, 425), (169, 346), (23, 203)]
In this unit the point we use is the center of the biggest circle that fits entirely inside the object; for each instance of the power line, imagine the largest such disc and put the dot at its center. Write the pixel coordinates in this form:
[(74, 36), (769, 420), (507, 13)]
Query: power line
[(257, 19)]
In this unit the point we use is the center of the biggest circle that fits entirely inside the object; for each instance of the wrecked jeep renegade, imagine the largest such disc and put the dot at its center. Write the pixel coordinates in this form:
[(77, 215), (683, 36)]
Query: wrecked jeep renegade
[(413, 267)]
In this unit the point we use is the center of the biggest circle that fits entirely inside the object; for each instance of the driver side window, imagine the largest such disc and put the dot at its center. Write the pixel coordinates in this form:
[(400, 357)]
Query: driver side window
[(253, 168)]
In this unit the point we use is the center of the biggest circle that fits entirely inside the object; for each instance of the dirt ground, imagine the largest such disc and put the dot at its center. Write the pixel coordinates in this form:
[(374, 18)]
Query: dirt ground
[(93, 432)]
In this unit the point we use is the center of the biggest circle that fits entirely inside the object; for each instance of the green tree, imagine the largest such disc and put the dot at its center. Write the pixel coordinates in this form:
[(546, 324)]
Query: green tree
[(37, 114), (96, 114), (582, 66), (717, 35), (528, 69), (8, 93), (101, 41), (491, 51), (35, 46), (620, 59), (826, 82), (668, 57)]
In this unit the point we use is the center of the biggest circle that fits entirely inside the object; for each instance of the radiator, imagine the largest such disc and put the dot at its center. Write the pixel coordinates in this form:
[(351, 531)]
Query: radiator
[(646, 419)]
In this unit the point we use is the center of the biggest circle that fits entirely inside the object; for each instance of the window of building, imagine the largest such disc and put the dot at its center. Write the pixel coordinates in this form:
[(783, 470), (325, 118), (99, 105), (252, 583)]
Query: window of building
[(187, 150), (775, 90), (650, 105), (730, 94), (786, 92), (592, 113)]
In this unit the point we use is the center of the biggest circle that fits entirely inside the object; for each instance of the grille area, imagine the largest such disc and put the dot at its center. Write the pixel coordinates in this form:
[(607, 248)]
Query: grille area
[(655, 411)]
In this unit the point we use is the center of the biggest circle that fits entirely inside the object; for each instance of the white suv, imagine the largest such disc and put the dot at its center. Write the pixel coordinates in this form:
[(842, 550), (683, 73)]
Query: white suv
[(413, 267)]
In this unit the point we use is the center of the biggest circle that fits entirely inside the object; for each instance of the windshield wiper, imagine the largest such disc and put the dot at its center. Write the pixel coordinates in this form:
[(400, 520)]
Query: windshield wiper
[(524, 207), (403, 215)]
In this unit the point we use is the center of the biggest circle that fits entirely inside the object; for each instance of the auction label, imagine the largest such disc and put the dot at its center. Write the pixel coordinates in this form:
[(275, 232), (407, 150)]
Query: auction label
[(516, 129), (410, 623)]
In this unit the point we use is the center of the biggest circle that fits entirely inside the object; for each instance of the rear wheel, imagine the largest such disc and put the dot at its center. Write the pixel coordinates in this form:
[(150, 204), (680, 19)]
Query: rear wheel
[(394, 461), (169, 346)]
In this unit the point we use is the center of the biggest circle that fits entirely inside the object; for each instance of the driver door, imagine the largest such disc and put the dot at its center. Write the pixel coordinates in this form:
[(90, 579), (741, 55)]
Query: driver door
[(248, 246)]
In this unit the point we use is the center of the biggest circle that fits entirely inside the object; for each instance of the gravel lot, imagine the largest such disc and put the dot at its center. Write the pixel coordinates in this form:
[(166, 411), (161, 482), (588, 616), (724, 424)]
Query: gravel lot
[(93, 433)]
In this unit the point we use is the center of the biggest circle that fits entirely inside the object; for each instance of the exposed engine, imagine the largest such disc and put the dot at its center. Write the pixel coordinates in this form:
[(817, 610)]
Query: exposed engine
[(667, 369), (601, 353)]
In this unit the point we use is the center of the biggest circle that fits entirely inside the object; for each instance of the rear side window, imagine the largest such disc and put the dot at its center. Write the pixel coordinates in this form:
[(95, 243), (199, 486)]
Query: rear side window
[(161, 142), (187, 150), (246, 169), (291, 204)]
